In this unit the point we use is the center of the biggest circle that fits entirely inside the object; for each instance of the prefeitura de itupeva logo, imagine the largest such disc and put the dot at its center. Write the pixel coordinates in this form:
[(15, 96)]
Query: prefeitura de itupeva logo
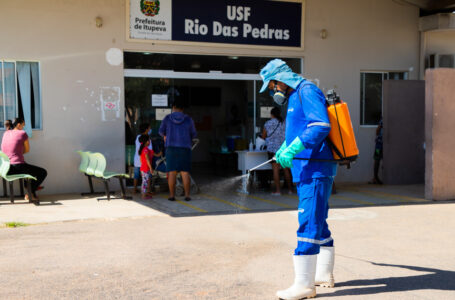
[(150, 8)]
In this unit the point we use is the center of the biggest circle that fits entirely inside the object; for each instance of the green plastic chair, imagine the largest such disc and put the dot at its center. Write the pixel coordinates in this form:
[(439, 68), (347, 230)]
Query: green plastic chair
[(101, 173), (92, 164), (84, 161), (4, 168), (87, 167)]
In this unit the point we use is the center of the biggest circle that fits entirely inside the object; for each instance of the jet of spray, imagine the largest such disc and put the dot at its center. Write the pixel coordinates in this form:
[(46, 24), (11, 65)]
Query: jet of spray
[(247, 179)]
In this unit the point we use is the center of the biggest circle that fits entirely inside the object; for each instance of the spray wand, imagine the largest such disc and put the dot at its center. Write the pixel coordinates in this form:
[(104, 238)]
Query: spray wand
[(264, 163)]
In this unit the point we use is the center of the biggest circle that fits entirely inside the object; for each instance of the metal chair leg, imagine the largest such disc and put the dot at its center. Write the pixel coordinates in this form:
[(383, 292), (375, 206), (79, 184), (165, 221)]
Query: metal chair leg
[(11, 191), (5, 189), (29, 193), (21, 186), (122, 187), (92, 191), (90, 183), (106, 187)]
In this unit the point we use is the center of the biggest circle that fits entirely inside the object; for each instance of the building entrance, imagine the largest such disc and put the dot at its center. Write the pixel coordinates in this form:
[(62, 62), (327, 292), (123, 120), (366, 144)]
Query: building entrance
[(221, 95)]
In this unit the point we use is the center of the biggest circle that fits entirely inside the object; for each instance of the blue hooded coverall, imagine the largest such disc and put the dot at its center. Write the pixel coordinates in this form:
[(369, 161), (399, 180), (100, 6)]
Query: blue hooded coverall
[(307, 119)]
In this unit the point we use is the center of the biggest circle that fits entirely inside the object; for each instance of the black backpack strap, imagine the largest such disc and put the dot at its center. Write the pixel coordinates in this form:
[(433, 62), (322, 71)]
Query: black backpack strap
[(329, 142), (334, 148)]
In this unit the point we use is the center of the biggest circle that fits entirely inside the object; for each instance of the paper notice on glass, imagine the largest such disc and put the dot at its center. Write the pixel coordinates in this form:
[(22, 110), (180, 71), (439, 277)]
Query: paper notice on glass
[(159, 100), (160, 113), (265, 111)]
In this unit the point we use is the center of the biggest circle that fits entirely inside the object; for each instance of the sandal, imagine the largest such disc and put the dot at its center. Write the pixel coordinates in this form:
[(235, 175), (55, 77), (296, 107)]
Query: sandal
[(171, 198), (34, 198), (187, 199)]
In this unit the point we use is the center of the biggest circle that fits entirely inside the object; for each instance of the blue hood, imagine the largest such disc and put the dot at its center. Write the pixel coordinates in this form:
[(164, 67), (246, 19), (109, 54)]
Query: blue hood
[(278, 70), (177, 117)]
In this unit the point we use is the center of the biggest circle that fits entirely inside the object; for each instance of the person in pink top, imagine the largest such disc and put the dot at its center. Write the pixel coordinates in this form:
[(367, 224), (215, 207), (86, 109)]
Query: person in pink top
[(15, 144)]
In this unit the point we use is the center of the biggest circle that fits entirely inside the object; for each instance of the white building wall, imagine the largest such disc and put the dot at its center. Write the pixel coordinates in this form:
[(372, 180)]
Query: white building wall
[(366, 35), (61, 34)]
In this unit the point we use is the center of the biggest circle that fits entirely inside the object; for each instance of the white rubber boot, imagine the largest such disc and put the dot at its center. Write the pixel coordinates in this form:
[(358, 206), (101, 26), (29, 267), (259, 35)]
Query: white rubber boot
[(324, 267), (303, 287)]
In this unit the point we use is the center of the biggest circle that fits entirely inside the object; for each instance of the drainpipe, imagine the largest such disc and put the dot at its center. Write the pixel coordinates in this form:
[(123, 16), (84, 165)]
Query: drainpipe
[(423, 47)]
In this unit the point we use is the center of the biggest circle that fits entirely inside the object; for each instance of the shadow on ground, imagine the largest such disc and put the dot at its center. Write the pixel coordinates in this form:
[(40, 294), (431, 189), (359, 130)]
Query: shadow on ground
[(434, 279)]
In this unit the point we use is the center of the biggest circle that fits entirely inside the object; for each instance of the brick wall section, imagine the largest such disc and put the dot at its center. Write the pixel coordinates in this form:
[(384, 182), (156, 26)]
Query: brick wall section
[(440, 134)]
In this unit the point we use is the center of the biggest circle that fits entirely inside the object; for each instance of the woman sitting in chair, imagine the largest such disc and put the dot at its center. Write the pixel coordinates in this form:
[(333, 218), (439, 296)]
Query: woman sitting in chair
[(15, 144)]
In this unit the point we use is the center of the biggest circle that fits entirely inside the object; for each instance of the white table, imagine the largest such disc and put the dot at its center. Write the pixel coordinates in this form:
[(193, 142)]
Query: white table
[(250, 159)]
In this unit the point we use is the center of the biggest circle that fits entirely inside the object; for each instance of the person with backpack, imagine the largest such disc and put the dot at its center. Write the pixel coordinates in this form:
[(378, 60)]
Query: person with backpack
[(313, 170)]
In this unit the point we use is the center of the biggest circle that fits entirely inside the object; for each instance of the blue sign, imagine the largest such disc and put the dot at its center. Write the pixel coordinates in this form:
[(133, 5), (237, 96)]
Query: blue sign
[(259, 22)]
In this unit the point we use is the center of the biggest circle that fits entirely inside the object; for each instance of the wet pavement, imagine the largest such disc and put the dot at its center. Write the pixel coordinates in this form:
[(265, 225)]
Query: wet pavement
[(212, 200)]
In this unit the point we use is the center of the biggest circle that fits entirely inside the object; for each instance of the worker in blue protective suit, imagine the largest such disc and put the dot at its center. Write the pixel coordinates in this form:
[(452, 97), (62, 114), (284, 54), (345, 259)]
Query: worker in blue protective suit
[(310, 158)]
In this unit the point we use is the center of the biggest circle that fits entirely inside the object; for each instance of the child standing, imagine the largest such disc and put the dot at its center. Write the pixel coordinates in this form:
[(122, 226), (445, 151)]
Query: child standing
[(144, 129), (146, 164)]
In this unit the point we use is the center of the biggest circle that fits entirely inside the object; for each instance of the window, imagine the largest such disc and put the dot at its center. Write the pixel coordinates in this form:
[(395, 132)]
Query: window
[(371, 94), (20, 93)]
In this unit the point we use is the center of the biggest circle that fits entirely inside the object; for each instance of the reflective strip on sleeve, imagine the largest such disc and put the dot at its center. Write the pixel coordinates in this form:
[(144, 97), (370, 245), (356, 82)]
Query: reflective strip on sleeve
[(312, 241), (319, 124)]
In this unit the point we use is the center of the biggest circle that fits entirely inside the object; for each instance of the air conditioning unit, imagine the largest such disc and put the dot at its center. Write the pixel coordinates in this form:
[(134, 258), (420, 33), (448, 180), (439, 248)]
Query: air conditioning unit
[(440, 61)]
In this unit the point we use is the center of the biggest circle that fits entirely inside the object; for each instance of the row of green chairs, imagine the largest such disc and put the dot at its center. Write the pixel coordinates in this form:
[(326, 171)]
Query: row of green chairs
[(4, 168), (93, 165)]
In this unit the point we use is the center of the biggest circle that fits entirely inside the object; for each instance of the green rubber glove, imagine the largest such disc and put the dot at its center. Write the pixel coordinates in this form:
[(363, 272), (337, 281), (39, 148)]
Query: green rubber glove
[(278, 153), (287, 155)]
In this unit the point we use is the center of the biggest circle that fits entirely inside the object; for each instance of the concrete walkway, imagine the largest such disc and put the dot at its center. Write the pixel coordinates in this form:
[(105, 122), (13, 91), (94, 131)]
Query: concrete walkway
[(213, 200)]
